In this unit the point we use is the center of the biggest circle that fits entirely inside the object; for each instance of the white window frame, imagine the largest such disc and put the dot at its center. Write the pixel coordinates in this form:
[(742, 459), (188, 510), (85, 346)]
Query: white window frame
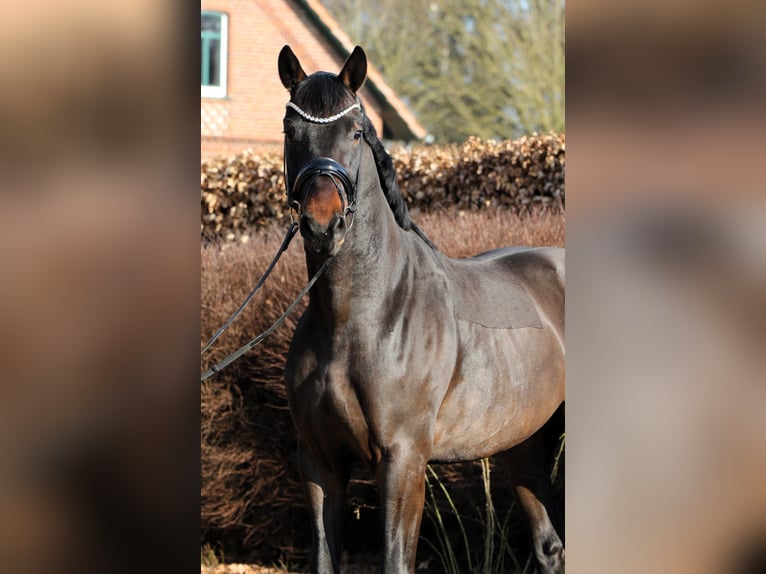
[(220, 90)]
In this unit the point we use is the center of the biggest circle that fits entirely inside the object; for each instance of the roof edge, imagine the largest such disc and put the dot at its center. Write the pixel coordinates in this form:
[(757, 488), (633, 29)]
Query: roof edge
[(377, 85)]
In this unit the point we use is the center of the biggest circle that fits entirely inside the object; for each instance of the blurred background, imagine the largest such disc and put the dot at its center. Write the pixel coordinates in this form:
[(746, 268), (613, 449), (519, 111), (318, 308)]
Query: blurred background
[(666, 258), (99, 288), (100, 285), (485, 68)]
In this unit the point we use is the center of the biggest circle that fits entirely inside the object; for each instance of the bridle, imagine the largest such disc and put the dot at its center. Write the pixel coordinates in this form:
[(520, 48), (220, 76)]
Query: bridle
[(341, 179), (347, 192)]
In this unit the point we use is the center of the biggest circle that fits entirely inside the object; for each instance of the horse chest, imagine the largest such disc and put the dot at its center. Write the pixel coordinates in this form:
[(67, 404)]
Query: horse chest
[(326, 407), (376, 381), (364, 411)]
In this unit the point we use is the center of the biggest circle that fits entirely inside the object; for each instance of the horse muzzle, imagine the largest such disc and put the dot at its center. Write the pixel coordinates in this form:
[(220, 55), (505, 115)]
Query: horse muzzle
[(327, 197)]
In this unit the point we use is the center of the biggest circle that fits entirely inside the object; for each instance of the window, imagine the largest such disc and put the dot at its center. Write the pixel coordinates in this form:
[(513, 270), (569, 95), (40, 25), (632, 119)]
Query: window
[(214, 40)]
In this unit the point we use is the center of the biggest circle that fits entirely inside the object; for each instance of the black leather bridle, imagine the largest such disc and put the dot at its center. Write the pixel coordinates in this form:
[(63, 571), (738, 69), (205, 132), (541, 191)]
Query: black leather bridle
[(347, 190), (337, 174)]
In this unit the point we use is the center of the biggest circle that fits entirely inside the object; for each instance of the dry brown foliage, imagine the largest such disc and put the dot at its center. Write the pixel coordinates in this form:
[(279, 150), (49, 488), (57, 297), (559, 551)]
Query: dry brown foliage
[(246, 191), (515, 174), (252, 504)]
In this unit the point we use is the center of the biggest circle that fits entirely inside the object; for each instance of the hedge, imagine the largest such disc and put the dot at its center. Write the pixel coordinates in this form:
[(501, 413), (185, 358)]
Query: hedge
[(246, 191)]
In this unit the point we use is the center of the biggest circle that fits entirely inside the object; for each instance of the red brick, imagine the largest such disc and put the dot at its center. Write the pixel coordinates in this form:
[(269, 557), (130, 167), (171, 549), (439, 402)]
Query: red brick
[(253, 109)]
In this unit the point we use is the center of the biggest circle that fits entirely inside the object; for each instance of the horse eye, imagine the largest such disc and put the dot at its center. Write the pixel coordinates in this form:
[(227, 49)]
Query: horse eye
[(289, 132), (357, 135)]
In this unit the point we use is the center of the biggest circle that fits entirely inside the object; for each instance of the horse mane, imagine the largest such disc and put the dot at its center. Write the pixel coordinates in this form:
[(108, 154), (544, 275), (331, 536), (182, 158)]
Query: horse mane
[(323, 94), (384, 164)]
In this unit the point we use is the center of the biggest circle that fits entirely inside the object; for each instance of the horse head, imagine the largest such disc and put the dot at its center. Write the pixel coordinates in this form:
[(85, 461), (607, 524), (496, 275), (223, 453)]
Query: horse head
[(323, 128)]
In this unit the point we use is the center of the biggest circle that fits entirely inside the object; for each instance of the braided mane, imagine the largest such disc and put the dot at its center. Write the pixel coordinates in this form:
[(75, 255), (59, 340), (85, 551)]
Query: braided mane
[(387, 175)]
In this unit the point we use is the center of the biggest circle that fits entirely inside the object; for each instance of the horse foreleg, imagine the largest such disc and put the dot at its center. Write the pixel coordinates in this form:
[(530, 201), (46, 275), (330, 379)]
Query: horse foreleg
[(529, 469), (401, 481), (325, 490)]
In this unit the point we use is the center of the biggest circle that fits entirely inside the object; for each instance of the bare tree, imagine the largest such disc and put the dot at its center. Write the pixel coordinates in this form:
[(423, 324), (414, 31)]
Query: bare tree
[(492, 68)]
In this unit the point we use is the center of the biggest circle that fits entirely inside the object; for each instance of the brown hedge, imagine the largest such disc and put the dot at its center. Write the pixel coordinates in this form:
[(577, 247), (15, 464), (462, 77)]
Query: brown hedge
[(246, 191)]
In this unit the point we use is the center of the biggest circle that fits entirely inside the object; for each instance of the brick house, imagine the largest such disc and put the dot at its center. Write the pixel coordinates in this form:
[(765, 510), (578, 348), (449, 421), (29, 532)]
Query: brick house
[(242, 99)]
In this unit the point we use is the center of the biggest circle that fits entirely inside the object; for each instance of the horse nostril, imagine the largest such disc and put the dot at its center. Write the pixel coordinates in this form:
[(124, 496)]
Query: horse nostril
[(310, 228), (318, 235)]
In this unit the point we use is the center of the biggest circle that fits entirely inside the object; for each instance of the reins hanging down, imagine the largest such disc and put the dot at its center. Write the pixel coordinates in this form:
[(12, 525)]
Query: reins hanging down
[(242, 350), (282, 248)]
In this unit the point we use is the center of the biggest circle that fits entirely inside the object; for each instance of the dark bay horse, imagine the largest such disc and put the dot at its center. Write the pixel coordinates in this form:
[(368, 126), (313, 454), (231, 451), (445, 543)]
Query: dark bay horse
[(403, 355)]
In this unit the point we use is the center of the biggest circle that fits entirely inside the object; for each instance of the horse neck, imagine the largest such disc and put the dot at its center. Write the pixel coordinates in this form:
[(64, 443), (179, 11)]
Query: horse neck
[(369, 259)]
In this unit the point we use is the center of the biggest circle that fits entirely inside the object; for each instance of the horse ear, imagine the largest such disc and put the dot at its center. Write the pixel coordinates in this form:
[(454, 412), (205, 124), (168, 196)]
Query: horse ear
[(290, 71), (354, 70)]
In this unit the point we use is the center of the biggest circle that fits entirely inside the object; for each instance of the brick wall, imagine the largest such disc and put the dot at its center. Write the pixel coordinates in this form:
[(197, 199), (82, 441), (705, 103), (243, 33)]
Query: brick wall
[(252, 112)]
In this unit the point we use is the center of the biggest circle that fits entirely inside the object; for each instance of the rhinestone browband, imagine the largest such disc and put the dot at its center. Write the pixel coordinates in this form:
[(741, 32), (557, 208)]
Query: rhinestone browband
[(316, 120)]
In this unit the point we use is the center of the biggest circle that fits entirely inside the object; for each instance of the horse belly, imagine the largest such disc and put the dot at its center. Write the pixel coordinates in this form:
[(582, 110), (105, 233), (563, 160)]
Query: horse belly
[(507, 384)]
